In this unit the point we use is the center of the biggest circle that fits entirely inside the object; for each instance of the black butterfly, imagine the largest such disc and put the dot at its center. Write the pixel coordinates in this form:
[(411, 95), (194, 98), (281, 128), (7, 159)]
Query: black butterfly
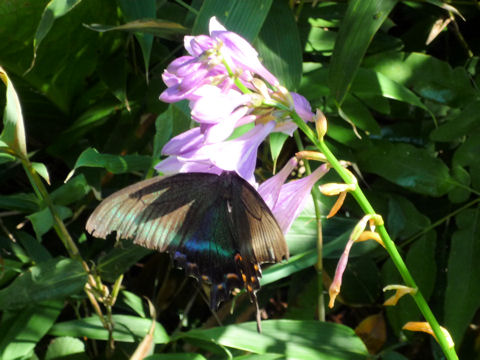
[(216, 227)]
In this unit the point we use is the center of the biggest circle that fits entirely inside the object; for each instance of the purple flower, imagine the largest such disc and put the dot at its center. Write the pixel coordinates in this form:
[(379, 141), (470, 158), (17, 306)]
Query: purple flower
[(287, 200), (238, 155), (227, 86)]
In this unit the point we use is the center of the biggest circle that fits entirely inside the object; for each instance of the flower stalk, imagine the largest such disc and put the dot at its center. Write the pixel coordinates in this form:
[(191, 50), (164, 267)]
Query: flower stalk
[(361, 199)]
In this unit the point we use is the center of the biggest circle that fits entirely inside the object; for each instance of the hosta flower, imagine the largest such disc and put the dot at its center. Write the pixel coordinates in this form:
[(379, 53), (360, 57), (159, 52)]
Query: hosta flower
[(287, 200), (238, 155), (227, 86)]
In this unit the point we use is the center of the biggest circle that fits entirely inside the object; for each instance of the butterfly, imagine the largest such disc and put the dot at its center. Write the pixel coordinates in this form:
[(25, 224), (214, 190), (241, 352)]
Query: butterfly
[(216, 227)]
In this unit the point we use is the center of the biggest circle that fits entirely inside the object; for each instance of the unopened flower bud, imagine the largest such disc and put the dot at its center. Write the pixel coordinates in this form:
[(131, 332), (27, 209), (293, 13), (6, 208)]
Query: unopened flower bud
[(320, 124)]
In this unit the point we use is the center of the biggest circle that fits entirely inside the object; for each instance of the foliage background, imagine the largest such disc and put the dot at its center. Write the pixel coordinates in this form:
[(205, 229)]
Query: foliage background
[(90, 103)]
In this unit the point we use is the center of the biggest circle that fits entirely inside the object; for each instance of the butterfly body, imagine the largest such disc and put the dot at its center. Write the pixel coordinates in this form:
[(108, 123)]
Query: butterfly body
[(216, 227)]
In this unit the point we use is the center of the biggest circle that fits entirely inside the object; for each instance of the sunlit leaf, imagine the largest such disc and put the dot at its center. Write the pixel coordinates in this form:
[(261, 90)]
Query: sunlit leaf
[(52, 279), (126, 329)]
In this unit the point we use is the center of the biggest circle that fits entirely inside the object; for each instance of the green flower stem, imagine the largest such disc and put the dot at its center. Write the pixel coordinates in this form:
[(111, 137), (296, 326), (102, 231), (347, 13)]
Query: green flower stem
[(389, 244), (58, 224), (318, 214)]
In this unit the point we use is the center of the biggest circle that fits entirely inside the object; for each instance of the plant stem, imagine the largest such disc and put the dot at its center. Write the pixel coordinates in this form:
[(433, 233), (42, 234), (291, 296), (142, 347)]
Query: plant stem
[(318, 214), (389, 244)]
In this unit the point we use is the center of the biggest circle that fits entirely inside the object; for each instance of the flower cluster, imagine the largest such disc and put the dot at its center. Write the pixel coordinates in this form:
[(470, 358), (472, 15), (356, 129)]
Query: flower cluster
[(227, 87)]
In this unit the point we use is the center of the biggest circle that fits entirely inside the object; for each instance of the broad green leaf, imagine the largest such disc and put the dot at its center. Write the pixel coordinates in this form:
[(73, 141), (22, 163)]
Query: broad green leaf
[(282, 270), (359, 115), (53, 279), (467, 153), (279, 45), (421, 262), (361, 283), (460, 194), (291, 338), (163, 132), (428, 76), (361, 22), (462, 124), (126, 329), (42, 221), (13, 132), (134, 301), (369, 82), (404, 219), (120, 259), (66, 347), (245, 17), (73, 190), (35, 250), (320, 40), (405, 165), (462, 297), (10, 269), (23, 329), (116, 164), (54, 10), (162, 28), (27, 203), (141, 9)]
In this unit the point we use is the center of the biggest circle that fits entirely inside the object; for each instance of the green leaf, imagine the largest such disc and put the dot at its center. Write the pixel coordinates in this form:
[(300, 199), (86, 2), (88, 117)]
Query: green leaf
[(460, 194), (462, 297), (279, 45), (134, 301), (359, 115), (407, 166), (404, 219), (467, 153), (42, 170), (291, 338), (361, 22), (245, 17), (42, 221), (277, 139), (463, 124), (22, 330), (66, 347), (120, 259), (54, 10), (74, 190), (21, 202), (35, 250), (421, 262), (162, 28), (13, 132), (116, 164), (141, 9), (369, 82), (163, 132), (126, 329), (428, 76), (53, 279)]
